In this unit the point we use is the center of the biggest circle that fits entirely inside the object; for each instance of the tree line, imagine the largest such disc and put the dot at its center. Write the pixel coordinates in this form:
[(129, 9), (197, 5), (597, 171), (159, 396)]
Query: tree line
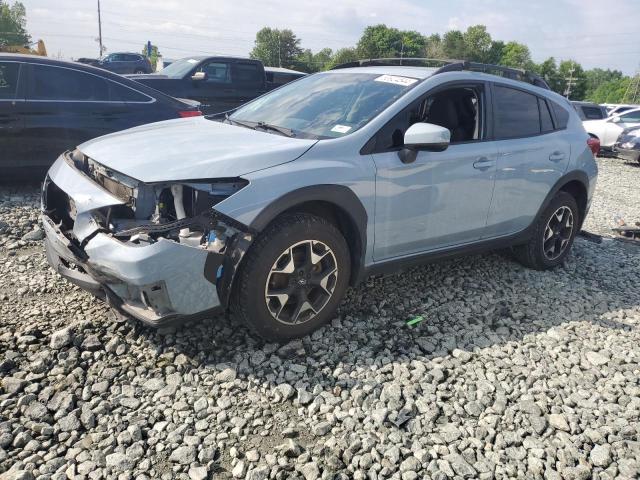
[(283, 48)]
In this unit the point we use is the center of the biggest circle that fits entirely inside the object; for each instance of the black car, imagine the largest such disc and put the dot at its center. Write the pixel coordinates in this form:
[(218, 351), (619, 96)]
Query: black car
[(218, 83), (49, 106), (627, 146), (124, 63)]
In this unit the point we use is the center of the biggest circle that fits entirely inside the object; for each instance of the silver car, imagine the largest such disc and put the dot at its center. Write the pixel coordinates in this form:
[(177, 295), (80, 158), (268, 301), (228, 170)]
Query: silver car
[(272, 212)]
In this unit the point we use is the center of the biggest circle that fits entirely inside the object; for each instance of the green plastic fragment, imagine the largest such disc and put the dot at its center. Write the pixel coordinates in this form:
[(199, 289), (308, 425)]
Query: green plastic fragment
[(415, 320)]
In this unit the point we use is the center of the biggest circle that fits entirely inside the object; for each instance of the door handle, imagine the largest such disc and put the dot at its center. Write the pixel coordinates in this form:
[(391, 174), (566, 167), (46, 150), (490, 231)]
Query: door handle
[(556, 156), (483, 163)]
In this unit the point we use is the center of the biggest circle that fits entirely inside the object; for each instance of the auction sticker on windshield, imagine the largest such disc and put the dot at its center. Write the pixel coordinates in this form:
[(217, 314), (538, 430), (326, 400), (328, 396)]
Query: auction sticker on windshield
[(341, 128), (397, 80)]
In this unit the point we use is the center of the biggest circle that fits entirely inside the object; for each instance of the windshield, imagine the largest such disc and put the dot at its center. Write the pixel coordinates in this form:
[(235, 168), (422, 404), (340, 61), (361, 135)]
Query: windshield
[(326, 105), (179, 68)]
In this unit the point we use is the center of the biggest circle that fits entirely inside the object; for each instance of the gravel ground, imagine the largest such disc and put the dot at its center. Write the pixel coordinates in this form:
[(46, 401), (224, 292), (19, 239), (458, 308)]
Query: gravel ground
[(512, 374)]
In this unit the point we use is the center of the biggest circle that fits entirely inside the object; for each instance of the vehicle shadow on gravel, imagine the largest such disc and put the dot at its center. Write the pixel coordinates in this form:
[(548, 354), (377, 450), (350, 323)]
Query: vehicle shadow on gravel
[(467, 304)]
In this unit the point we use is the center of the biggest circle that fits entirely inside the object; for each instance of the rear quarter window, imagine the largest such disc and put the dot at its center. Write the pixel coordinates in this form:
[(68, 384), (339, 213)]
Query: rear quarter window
[(561, 114), (9, 75)]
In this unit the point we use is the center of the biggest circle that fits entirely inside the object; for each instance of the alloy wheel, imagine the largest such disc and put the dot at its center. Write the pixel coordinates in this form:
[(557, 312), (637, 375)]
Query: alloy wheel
[(557, 233), (301, 282)]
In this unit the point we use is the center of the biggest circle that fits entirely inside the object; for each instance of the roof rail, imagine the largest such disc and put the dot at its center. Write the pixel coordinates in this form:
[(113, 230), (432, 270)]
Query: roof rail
[(451, 66)]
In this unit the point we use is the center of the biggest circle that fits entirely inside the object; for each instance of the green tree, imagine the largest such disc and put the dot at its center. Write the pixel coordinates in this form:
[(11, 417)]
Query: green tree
[(612, 91), (477, 44), (309, 62), (494, 55), (434, 47), (380, 41), (598, 76), (155, 53), (571, 71), (13, 22), (453, 44), (343, 55), (276, 48), (549, 71), (516, 55)]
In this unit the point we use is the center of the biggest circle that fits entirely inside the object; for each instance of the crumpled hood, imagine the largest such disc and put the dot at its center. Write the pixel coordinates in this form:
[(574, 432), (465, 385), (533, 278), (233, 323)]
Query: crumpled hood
[(191, 149)]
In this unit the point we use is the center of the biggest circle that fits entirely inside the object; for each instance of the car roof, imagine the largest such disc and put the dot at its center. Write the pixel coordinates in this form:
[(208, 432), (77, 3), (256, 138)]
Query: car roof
[(283, 70), (402, 71), (83, 67)]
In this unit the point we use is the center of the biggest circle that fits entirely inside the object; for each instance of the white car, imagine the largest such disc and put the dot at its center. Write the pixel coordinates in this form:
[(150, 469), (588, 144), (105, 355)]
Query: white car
[(609, 129)]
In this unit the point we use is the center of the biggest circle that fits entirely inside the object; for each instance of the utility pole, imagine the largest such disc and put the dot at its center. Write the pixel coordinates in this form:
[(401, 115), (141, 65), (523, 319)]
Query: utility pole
[(570, 82), (99, 30), (279, 51), (633, 88)]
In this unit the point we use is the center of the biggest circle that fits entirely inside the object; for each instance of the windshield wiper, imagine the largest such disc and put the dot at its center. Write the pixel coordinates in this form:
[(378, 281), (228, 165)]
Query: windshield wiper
[(275, 128), (261, 125)]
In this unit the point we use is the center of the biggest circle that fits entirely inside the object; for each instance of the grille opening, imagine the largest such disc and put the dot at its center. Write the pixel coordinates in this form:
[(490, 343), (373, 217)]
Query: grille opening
[(60, 207)]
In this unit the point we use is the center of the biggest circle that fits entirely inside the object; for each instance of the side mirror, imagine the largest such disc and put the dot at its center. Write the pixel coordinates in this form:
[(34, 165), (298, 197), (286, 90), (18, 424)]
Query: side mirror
[(424, 136), (616, 120), (199, 76)]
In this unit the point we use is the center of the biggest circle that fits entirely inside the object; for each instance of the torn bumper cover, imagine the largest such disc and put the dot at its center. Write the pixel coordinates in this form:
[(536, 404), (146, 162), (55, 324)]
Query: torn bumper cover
[(157, 283)]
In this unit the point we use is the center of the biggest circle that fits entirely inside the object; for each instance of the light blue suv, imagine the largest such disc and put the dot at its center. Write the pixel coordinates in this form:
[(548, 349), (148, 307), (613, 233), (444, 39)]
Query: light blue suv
[(274, 210)]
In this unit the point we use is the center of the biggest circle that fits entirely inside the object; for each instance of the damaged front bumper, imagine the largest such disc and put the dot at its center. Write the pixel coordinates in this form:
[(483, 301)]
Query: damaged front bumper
[(157, 282)]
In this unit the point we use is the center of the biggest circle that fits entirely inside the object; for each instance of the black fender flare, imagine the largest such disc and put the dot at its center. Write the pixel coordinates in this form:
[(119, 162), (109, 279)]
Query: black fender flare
[(339, 196), (574, 175)]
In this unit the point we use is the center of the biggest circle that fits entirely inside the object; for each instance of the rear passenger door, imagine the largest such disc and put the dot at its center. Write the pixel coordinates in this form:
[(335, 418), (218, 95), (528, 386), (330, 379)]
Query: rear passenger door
[(248, 80), (11, 114), (533, 153)]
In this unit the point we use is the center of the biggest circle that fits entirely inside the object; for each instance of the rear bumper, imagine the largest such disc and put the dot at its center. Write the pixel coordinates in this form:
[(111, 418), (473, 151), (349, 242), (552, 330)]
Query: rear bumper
[(156, 283)]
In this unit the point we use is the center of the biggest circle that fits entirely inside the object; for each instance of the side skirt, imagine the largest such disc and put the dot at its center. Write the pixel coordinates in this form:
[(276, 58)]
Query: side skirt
[(395, 264)]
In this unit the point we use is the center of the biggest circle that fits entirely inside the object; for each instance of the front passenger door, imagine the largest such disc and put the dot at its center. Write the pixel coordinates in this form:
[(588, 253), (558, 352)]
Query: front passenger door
[(217, 92), (442, 198)]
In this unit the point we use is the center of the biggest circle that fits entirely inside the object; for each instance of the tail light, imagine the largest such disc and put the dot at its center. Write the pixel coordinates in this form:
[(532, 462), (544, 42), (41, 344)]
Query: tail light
[(189, 113), (594, 145)]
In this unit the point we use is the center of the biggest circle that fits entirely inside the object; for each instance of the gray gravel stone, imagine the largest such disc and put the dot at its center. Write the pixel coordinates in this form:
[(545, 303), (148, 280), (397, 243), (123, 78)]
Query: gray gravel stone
[(513, 373)]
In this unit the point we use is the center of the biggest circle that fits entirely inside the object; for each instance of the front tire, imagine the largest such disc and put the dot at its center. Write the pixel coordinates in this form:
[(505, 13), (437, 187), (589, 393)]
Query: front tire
[(553, 235), (293, 277)]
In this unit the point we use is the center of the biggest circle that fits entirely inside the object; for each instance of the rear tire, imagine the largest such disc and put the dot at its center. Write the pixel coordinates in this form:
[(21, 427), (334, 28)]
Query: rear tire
[(293, 277), (553, 234)]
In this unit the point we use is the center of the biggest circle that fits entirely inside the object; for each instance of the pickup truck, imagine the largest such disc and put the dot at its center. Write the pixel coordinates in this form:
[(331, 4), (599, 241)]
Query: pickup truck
[(218, 83)]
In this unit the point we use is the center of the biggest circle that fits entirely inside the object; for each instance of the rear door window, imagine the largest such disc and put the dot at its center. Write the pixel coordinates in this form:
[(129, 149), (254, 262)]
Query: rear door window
[(57, 83), (516, 113), (9, 76), (247, 73)]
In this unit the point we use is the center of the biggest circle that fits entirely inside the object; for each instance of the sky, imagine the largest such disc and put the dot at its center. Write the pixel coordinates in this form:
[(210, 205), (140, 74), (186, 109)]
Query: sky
[(596, 33)]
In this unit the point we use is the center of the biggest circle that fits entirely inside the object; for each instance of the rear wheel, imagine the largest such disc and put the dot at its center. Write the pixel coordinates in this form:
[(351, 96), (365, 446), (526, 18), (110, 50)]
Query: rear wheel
[(293, 278), (139, 72), (554, 232)]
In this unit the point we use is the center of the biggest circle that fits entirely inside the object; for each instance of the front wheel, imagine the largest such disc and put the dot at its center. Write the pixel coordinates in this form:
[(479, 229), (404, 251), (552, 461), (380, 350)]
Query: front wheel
[(553, 235), (293, 278)]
